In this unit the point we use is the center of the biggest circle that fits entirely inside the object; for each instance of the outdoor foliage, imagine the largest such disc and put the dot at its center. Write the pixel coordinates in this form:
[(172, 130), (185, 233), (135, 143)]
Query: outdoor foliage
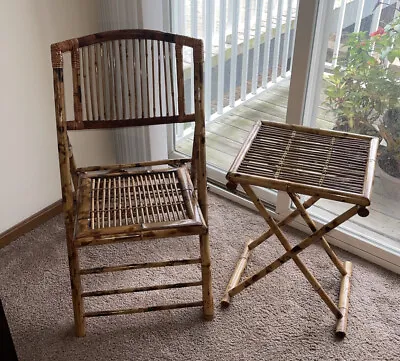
[(364, 90)]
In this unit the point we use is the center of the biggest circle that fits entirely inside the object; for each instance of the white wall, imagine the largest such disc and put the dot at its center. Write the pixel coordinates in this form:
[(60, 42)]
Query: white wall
[(29, 175)]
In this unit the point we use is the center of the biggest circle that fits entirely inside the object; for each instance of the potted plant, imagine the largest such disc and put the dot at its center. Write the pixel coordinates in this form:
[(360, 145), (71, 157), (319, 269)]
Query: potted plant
[(389, 155), (363, 92)]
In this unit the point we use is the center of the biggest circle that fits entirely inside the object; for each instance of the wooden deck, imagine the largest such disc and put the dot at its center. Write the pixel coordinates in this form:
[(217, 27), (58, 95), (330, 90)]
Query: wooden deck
[(226, 134)]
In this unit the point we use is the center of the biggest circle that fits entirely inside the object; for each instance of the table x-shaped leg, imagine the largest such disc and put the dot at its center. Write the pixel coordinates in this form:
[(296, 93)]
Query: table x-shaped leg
[(235, 286)]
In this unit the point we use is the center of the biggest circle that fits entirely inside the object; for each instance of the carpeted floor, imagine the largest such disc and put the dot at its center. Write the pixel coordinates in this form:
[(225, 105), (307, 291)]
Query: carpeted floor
[(279, 318)]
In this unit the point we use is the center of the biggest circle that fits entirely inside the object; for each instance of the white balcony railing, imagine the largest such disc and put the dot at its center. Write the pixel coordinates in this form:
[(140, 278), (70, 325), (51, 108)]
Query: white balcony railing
[(249, 43), (240, 38)]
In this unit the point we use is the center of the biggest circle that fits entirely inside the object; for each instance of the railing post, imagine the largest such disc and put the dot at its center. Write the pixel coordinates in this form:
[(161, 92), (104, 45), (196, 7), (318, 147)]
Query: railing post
[(360, 9), (221, 56), (208, 18), (296, 6), (267, 44), (277, 42), (256, 56), (376, 16), (245, 61), (339, 29), (286, 39), (234, 52)]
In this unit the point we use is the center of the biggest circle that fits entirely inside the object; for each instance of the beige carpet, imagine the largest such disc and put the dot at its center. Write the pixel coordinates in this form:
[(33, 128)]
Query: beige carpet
[(279, 318)]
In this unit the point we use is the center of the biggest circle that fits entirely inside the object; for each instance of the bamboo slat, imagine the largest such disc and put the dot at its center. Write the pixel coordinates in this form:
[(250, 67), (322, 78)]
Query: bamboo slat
[(76, 83), (85, 83), (167, 84), (160, 87), (103, 79), (136, 83), (97, 79), (129, 77), (116, 93), (171, 77), (90, 61), (122, 74), (180, 78), (147, 77)]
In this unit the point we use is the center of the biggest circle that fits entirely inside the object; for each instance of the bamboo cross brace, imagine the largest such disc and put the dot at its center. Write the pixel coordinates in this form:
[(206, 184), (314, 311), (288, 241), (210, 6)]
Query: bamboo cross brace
[(332, 255), (284, 241), (295, 250), (242, 263)]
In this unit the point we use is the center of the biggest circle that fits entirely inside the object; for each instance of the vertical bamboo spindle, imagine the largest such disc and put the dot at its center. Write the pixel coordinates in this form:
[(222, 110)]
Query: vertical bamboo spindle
[(344, 296), (135, 82), (103, 79), (97, 77), (109, 202), (159, 78), (171, 76), (76, 83), (179, 76), (153, 76), (127, 62), (91, 82), (167, 97), (147, 76), (110, 80), (114, 73), (85, 82), (121, 70), (141, 75)]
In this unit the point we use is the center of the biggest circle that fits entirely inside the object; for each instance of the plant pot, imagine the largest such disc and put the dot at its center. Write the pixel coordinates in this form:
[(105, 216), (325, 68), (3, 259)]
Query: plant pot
[(390, 185)]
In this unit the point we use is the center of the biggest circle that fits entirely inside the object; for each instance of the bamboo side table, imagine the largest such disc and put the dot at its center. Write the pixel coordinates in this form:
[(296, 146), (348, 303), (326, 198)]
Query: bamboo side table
[(318, 163)]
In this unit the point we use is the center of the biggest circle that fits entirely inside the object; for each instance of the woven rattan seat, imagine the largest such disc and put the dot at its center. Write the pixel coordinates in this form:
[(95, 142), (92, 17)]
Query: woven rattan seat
[(132, 78), (120, 203), (313, 162)]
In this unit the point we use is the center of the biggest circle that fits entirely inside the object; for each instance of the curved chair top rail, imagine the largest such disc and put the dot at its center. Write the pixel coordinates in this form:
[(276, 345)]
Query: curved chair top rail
[(57, 49)]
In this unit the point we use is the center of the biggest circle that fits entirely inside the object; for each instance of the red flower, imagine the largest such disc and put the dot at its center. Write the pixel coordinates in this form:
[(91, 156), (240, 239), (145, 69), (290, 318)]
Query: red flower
[(380, 31)]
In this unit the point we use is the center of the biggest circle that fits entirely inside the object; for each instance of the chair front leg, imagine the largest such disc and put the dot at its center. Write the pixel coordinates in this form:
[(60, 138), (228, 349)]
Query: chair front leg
[(76, 289), (208, 301)]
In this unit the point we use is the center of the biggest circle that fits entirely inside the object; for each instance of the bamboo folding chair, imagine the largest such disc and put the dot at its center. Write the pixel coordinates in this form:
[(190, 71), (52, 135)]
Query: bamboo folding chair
[(300, 160), (130, 78)]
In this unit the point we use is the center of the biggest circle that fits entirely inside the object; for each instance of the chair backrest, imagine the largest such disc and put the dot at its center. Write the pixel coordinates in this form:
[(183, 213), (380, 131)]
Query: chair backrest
[(128, 78)]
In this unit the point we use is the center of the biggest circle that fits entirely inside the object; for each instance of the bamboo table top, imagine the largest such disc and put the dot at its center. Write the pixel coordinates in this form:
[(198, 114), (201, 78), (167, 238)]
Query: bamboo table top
[(324, 163)]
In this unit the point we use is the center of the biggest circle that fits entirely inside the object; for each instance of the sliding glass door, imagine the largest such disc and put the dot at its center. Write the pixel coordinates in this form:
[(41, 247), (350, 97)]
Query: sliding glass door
[(354, 86), (299, 62)]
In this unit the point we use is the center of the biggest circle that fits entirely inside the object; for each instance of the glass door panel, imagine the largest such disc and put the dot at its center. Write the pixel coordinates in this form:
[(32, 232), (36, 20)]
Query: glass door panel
[(248, 57), (355, 87)]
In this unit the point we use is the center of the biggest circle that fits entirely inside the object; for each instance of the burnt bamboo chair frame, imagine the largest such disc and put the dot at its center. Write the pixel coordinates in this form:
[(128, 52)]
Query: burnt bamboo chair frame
[(95, 77), (302, 160)]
